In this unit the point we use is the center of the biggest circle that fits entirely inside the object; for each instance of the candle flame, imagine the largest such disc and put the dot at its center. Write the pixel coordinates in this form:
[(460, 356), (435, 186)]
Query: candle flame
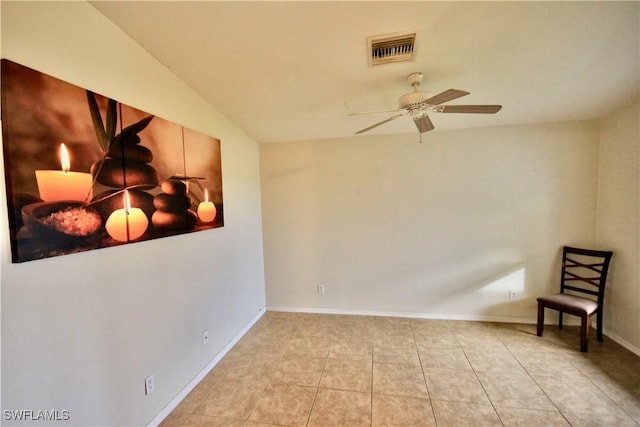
[(64, 158), (127, 202), (206, 195)]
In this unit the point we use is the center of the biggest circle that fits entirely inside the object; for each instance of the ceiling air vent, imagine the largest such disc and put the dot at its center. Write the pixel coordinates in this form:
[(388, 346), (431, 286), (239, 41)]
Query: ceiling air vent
[(389, 48)]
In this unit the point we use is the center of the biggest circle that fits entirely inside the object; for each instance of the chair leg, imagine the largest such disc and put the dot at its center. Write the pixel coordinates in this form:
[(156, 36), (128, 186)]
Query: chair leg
[(540, 325), (584, 334), (560, 319), (599, 325)]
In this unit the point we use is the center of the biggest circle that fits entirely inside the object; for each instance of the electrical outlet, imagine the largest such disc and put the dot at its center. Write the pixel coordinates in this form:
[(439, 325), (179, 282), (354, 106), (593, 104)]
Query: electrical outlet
[(149, 384), (321, 289), (205, 337), (512, 295)]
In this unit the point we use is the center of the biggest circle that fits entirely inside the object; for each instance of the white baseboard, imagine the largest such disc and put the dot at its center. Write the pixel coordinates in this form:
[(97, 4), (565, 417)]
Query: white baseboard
[(203, 373), (569, 320), (440, 316), (626, 344)]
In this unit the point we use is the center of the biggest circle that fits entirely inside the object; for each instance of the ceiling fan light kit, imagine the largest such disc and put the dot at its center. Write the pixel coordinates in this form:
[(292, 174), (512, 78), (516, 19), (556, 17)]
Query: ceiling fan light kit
[(417, 104)]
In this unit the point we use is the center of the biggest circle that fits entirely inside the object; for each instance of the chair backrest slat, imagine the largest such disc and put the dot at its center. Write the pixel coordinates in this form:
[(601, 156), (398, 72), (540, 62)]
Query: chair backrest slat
[(570, 276), (586, 291), (586, 267)]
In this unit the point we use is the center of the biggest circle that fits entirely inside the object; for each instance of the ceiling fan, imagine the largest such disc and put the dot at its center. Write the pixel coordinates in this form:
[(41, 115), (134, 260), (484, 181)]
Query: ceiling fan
[(418, 104)]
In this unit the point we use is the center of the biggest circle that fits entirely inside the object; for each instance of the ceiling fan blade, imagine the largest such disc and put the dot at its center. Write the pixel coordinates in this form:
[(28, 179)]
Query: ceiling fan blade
[(380, 123), (446, 96), (424, 124), (360, 113), (477, 109)]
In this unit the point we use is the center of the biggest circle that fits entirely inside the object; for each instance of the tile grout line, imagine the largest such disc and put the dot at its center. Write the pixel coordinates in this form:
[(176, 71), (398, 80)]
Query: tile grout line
[(478, 378), (315, 396), (534, 381), (272, 374), (424, 378), (373, 349), (588, 378)]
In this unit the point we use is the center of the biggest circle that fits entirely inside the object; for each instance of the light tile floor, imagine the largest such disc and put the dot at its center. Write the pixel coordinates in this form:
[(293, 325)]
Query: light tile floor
[(294, 369)]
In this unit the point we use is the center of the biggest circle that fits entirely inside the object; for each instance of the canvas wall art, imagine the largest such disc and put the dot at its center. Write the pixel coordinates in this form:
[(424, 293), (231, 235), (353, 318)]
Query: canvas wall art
[(86, 172)]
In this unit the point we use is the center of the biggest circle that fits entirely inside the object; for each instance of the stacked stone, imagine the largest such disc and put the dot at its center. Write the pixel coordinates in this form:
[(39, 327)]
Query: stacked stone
[(173, 207), (126, 150)]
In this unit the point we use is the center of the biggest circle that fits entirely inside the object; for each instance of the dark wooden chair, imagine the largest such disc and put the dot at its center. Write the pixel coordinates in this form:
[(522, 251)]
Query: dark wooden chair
[(582, 283)]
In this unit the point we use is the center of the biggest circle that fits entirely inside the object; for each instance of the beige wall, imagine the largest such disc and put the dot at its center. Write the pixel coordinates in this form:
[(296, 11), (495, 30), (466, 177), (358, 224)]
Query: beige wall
[(81, 332), (618, 226), (440, 229)]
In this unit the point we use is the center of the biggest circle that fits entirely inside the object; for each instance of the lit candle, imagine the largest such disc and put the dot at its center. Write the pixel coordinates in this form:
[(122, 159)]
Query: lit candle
[(206, 209), (63, 184), (127, 224)]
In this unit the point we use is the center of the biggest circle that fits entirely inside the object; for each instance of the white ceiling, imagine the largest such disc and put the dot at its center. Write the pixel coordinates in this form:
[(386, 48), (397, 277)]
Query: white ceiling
[(286, 71)]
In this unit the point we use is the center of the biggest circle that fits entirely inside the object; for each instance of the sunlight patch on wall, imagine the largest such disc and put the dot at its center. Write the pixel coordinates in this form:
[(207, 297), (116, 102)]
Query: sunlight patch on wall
[(510, 285)]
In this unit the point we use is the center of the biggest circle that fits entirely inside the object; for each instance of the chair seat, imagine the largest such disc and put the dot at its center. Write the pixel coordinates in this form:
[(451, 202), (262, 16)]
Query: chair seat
[(569, 304)]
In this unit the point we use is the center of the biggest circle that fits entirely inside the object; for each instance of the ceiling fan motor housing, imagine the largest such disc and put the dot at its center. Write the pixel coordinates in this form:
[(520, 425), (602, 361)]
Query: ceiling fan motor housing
[(413, 99)]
